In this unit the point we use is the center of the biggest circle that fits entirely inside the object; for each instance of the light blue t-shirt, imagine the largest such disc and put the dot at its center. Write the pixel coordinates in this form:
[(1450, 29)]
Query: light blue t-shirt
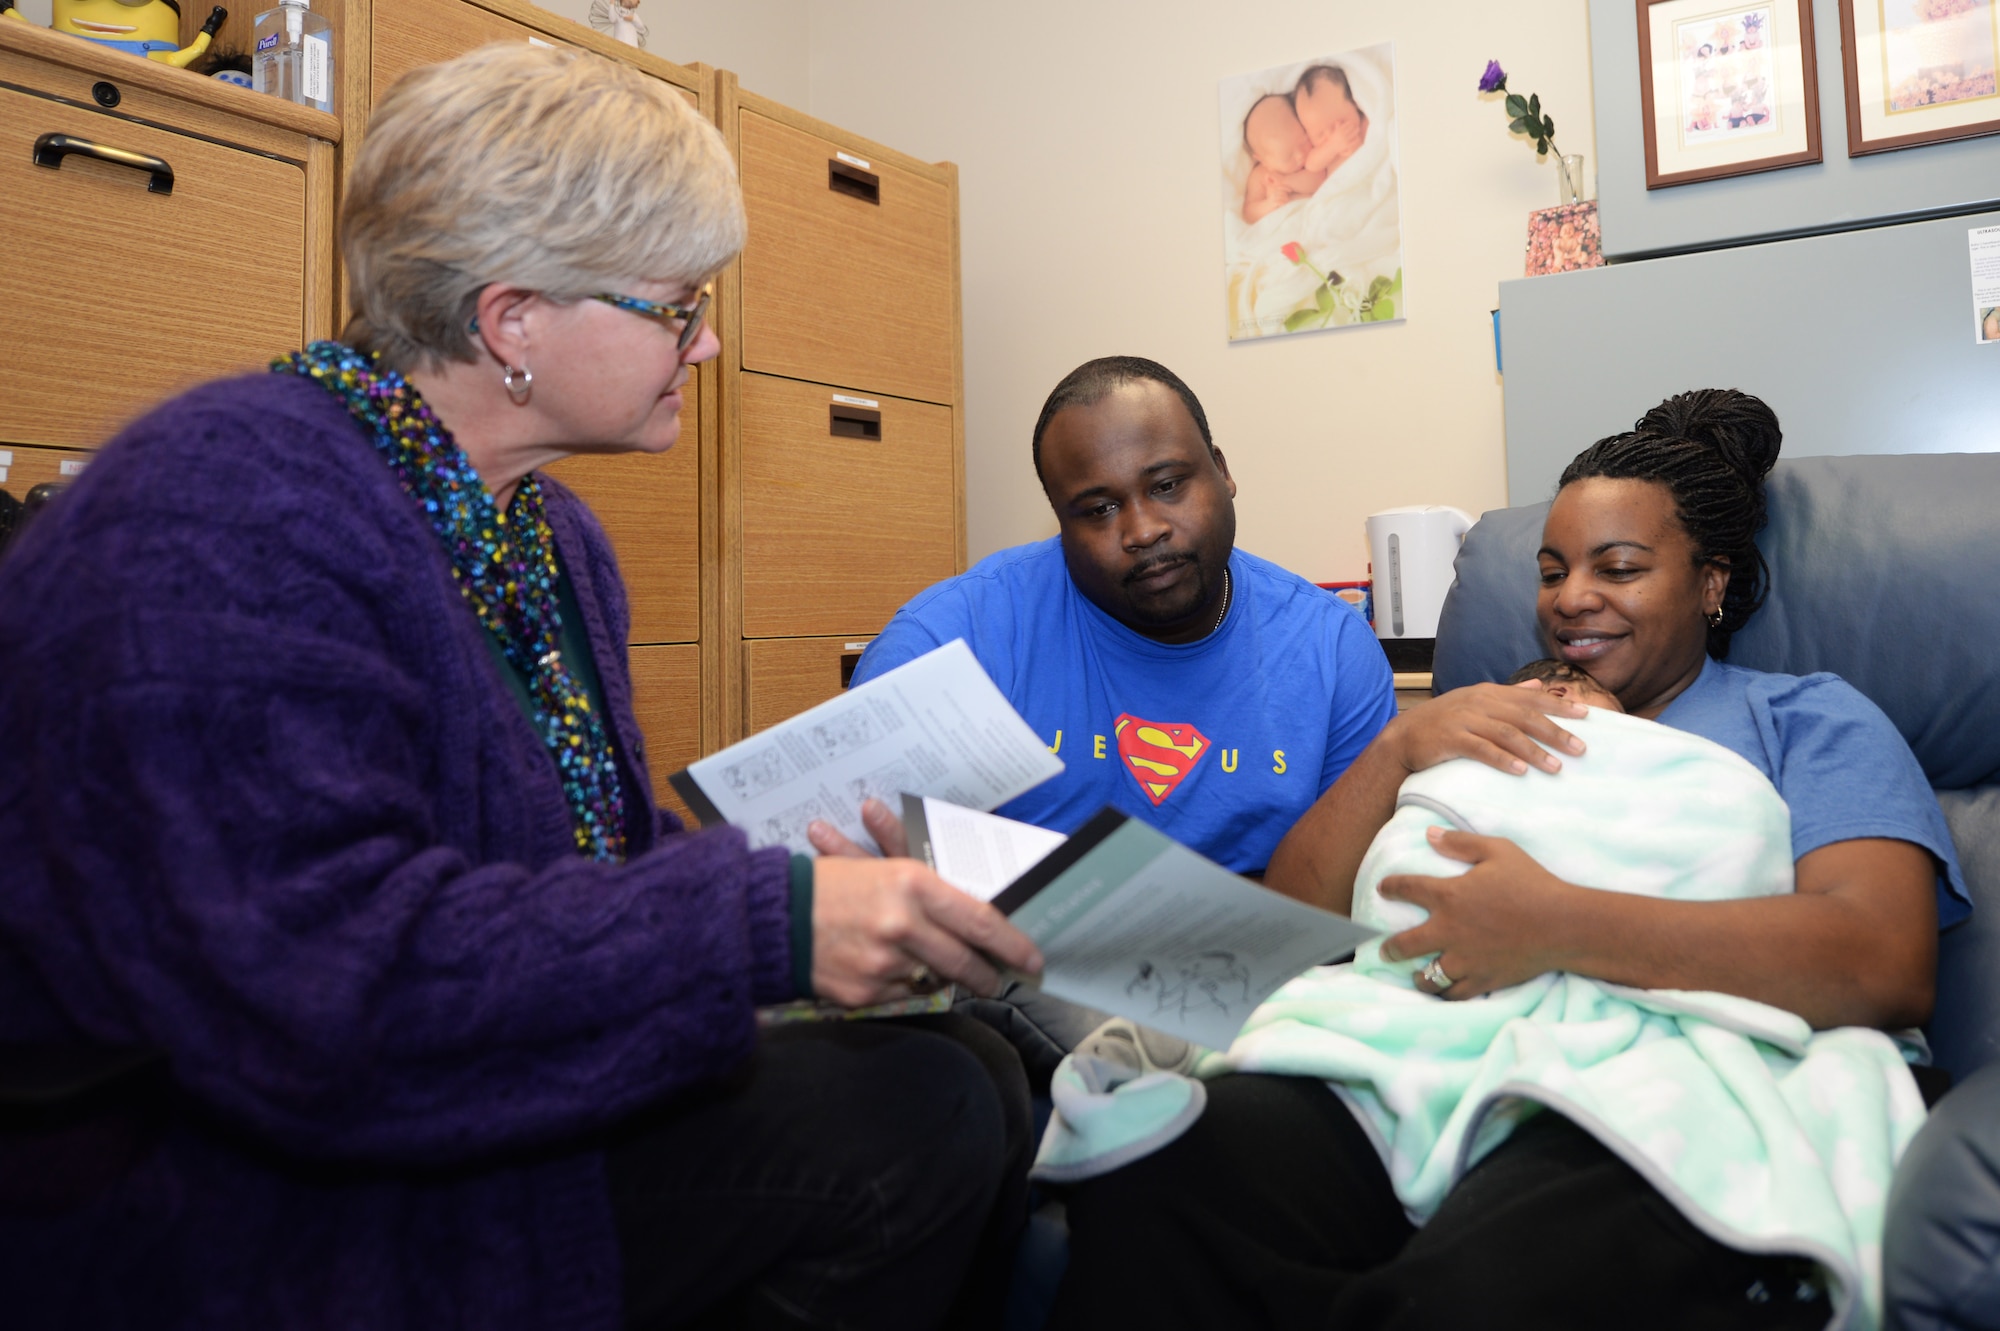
[(1836, 758), (1222, 743)]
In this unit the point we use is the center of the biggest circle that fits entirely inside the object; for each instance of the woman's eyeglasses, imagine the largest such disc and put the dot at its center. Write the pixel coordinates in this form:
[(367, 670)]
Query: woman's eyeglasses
[(689, 316)]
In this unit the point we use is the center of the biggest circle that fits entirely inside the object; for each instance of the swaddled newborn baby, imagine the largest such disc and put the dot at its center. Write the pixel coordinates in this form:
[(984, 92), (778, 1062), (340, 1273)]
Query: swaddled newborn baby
[(1646, 809)]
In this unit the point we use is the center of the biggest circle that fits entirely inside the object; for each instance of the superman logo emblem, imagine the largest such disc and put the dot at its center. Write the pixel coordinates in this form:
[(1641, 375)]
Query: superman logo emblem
[(1158, 755)]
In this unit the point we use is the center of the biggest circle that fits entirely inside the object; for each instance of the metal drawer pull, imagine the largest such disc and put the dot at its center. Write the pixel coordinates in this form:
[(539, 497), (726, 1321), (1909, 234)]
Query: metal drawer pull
[(50, 149), (853, 181), (854, 422)]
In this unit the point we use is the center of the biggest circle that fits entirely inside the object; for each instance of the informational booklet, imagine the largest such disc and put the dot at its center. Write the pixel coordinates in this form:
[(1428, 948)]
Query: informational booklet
[(933, 726), (1132, 922), (979, 853)]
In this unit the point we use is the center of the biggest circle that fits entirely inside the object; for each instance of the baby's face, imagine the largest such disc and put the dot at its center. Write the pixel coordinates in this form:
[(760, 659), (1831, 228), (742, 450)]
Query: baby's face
[(1325, 109), (1276, 137)]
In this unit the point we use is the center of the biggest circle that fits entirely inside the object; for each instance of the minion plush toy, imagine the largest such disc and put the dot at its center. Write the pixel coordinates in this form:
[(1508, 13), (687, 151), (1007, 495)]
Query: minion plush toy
[(151, 28)]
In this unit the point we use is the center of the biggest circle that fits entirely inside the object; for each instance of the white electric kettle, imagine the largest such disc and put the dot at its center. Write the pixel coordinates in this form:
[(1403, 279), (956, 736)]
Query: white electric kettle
[(1412, 550)]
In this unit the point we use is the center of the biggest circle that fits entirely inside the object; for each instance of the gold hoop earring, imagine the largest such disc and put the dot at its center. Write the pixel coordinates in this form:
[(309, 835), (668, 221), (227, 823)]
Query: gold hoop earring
[(519, 389), (1715, 619)]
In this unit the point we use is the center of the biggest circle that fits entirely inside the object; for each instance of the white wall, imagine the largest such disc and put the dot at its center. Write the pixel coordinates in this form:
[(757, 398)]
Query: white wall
[(765, 42), (1086, 137)]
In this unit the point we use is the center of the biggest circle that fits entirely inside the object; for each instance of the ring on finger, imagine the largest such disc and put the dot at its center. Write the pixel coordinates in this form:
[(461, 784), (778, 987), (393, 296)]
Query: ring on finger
[(920, 977), (1434, 975)]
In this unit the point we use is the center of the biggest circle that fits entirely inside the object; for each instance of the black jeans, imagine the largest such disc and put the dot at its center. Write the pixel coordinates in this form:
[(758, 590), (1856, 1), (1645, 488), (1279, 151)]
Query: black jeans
[(868, 1174), (1274, 1210)]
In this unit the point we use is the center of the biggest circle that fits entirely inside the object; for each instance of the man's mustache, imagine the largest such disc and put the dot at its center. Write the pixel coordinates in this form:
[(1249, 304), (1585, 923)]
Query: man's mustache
[(1156, 563)]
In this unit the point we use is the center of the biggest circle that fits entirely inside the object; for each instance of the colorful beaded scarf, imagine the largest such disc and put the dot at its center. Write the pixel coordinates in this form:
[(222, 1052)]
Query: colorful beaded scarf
[(504, 563)]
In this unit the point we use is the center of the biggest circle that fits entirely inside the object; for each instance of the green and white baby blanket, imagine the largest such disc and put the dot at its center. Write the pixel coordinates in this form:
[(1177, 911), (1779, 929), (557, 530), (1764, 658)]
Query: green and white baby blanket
[(1768, 1135)]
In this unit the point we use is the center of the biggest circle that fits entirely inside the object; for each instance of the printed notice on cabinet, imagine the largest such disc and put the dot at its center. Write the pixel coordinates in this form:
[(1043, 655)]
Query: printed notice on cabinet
[(1985, 244), (935, 726)]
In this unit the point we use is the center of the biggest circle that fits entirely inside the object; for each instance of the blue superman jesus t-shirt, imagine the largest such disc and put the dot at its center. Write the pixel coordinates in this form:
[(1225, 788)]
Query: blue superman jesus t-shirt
[(1222, 744)]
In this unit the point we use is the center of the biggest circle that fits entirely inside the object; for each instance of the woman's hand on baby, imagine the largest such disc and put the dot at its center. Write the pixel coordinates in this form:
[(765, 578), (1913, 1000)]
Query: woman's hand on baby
[(888, 929), (1504, 726), (882, 824), (1493, 925)]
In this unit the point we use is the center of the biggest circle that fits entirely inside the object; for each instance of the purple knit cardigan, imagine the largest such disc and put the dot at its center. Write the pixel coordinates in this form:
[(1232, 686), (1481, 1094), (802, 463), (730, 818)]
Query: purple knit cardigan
[(267, 804)]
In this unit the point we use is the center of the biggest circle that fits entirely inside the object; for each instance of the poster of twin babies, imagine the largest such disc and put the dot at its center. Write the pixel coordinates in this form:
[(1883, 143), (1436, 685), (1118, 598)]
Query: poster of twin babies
[(1312, 228)]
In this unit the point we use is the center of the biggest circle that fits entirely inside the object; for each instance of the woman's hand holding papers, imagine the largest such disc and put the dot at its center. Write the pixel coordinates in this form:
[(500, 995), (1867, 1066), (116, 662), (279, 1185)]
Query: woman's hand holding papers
[(883, 928)]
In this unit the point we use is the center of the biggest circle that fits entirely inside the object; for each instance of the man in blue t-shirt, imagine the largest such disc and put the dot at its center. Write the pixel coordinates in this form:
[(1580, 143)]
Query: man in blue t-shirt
[(1189, 684)]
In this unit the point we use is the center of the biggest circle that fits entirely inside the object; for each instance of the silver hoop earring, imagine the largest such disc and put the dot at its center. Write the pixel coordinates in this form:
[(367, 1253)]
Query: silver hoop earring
[(518, 388)]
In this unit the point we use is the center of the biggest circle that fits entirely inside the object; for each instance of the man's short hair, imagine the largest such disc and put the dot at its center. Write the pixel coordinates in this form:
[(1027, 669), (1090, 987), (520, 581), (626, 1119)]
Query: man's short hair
[(1093, 381)]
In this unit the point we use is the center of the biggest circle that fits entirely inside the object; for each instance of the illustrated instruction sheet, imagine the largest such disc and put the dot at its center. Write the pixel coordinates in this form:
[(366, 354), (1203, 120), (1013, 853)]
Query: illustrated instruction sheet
[(1134, 923), (935, 726)]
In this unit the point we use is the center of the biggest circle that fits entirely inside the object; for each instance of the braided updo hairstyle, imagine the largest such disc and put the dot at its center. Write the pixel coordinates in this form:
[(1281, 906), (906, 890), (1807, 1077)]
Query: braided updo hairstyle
[(1712, 449)]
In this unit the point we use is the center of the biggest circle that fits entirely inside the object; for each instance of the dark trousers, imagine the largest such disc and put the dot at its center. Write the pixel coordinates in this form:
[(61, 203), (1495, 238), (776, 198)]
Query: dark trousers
[(868, 1174), (1274, 1210)]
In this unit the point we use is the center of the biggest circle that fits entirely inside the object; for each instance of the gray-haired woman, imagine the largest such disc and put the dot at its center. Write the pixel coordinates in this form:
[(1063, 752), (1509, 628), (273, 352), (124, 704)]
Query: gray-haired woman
[(322, 777)]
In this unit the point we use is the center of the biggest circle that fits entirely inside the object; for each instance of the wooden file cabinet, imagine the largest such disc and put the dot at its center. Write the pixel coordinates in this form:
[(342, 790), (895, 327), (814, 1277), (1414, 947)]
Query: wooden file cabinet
[(666, 697), (404, 34), (850, 274), (180, 233), (658, 510), (409, 33), (846, 508), (842, 436), (26, 468), (784, 676), (650, 506), (818, 483)]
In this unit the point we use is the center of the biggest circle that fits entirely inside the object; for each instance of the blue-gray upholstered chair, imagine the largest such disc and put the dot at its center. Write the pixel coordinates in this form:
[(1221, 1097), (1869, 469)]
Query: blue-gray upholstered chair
[(1885, 571)]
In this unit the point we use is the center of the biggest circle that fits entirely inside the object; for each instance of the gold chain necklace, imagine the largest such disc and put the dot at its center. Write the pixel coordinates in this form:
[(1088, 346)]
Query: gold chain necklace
[(1224, 612)]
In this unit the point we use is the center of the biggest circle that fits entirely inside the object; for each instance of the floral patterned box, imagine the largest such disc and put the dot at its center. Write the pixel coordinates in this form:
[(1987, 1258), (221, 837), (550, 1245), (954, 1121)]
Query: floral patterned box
[(1563, 239)]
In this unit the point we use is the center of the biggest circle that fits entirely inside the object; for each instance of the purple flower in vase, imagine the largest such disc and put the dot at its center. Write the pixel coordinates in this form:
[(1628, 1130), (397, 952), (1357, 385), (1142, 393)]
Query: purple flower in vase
[(1526, 112)]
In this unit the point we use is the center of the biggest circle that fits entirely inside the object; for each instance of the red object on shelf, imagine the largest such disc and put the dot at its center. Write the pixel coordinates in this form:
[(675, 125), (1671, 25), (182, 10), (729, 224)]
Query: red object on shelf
[(1360, 595)]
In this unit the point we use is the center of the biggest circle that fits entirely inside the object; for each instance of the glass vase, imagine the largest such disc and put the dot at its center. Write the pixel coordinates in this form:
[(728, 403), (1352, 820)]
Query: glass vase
[(1569, 178)]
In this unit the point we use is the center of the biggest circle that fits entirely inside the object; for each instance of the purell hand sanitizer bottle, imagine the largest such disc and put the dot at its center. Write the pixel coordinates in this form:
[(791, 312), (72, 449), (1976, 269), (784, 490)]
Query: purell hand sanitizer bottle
[(293, 58)]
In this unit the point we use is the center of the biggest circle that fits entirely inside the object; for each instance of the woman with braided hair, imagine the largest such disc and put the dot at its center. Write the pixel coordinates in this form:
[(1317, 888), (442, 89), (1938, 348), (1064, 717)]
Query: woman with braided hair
[(1278, 1203)]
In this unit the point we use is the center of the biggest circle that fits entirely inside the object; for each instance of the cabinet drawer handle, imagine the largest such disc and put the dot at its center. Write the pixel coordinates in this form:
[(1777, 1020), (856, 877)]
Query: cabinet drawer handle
[(50, 149), (854, 422), (852, 181)]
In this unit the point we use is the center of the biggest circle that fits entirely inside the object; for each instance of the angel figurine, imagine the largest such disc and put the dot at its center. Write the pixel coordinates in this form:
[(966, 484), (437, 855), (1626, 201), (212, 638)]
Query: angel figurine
[(620, 20)]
